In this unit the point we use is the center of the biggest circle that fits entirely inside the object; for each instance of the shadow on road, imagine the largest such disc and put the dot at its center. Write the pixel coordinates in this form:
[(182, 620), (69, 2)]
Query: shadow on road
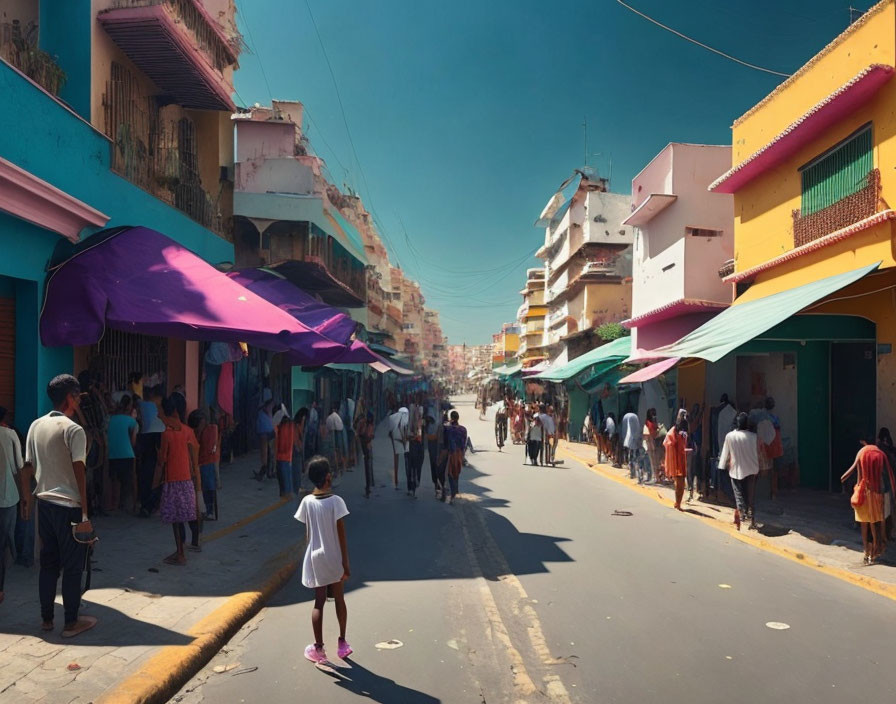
[(361, 681)]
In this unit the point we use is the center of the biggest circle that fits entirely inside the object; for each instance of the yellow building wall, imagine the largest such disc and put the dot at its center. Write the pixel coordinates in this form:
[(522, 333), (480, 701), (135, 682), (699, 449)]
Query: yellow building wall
[(763, 208), (870, 40), (511, 344)]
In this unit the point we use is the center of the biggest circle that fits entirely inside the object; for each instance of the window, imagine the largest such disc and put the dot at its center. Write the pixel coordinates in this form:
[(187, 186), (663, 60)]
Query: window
[(838, 173), (702, 232)]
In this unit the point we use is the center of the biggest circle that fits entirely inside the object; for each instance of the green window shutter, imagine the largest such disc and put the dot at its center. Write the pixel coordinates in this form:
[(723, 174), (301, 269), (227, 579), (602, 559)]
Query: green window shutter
[(838, 174)]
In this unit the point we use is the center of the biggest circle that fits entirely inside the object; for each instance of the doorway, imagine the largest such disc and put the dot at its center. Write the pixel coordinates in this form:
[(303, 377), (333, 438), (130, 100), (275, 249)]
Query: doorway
[(853, 402)]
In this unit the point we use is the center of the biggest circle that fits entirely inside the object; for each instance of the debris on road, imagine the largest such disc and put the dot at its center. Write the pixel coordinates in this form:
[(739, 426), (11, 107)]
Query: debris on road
[(777, 625), (389, 645), (617, 512), (225, 668)]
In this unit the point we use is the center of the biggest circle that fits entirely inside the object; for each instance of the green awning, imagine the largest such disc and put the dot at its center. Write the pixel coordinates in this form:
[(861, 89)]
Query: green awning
[(612, 352), (744, 321), (508, 369), (338, 366)]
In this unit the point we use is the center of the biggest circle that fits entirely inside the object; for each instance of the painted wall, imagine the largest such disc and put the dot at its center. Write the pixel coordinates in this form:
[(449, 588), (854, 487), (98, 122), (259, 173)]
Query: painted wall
[(65, 33), (656, 177), (610, 209), (66, 151), (763, 222), (668, 263), (870, 40)]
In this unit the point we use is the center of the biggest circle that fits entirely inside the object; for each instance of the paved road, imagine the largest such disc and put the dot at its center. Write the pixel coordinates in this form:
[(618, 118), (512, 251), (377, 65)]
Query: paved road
[(529, 589)]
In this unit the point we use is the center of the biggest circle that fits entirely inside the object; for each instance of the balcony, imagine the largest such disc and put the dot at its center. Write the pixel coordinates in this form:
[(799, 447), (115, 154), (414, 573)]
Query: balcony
[(18, 47), (159, 156), (178, 45), (845, 212)]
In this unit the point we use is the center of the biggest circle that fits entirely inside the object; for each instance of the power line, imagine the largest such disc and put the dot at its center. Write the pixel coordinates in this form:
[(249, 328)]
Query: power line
[(264, 74), (701, 44)]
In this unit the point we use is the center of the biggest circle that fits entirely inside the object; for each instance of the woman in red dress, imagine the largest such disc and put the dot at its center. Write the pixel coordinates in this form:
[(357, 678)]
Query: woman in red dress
[(676, 445)]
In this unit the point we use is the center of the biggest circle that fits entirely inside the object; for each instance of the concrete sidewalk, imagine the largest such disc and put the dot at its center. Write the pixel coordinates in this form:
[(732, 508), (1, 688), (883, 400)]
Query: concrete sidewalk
[(816, 525), (143, 604)]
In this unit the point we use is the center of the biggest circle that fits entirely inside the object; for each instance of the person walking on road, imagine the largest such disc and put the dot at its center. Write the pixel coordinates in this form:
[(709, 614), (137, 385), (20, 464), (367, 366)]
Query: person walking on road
[(336, 433), (631, 442), (10, 464), (365, 430), (398, 434), (325, 567), (740, 456), (120, 440), (534, 439), (873, 469), (149, 439), (178, 475), (677, 451), (433, 431), (264, 427), (285, 443), (298, 450), (456, 439), (55, 453)]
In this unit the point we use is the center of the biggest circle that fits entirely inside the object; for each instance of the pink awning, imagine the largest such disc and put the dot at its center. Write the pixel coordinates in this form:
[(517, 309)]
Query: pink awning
[(650, 372), (842, 102)]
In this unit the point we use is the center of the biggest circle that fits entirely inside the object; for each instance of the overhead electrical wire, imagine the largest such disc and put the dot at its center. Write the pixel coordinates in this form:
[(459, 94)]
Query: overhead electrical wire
[(701, 44)]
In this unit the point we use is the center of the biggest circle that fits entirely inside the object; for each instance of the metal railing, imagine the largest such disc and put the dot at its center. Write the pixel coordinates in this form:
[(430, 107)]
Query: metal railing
[(197, 22), (158, 155), (18, 46)]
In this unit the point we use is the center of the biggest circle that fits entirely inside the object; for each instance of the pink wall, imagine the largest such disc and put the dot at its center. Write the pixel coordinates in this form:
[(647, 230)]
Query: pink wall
[(656, 177), (264, 139)]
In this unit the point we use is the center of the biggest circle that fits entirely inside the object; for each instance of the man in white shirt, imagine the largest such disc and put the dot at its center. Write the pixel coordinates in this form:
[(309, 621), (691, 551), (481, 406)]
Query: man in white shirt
[(336, 430), (632, 437), (549, 430), (398, 434), (55, 452), (740, 456), (10, 464)]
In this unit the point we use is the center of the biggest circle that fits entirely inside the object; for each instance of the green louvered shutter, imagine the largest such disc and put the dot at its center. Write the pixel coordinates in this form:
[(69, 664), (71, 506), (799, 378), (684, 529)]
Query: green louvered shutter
[(839, 174)]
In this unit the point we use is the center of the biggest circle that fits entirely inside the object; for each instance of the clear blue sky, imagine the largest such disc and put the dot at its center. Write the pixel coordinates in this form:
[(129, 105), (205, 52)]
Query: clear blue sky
[(466, 115)]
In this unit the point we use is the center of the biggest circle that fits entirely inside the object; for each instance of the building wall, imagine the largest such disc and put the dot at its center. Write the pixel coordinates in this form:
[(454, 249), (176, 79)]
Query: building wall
[(763, 221), (66, 151)]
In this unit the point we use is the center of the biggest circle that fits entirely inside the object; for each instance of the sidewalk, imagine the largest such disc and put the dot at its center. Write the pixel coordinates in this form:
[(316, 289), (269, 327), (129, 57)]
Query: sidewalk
[(143, 604), (814, 526)]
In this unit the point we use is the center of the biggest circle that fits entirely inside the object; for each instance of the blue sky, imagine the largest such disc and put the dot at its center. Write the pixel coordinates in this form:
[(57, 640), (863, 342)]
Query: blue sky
[(466, 115)]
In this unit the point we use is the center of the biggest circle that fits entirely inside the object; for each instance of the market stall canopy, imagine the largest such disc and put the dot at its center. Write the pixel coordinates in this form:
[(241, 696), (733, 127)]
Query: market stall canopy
[(138, 280), (508, 369), (275, 288), (649, 372), (742, 322), (612, 352)]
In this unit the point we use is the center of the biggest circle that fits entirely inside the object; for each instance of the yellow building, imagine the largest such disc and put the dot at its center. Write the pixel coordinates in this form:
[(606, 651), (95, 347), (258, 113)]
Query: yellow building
[(814, 272), (531, 318)]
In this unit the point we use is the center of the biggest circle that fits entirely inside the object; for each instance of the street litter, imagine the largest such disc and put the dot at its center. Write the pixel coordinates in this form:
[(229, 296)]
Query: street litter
[(621, 513), (389, 645)]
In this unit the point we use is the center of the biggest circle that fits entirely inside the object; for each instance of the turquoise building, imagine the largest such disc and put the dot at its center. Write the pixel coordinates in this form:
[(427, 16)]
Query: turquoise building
[(92, 137)]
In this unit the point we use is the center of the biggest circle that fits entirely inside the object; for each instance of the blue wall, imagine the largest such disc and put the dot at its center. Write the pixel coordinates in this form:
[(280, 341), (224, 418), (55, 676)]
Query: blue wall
[(48, 140), (64, 31)]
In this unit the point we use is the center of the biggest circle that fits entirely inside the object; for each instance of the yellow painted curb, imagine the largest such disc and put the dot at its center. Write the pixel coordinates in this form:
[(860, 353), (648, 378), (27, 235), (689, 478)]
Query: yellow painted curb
[(244, 521), (160, 677), (870, 583)]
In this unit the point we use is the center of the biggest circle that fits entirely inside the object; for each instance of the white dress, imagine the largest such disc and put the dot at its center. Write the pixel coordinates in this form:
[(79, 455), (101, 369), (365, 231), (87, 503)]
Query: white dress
[(322, 565)]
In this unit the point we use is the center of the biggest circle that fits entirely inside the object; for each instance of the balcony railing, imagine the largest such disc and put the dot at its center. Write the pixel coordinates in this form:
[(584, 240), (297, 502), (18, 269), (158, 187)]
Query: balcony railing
[(845, 212), (18, 46), (195, 18), (158, 155)]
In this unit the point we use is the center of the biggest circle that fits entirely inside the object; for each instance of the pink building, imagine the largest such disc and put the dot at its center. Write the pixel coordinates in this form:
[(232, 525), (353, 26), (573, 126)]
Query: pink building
[(684, 235)]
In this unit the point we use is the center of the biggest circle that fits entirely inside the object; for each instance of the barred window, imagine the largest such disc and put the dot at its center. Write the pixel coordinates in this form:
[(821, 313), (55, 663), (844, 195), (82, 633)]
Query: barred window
[(838, 173)]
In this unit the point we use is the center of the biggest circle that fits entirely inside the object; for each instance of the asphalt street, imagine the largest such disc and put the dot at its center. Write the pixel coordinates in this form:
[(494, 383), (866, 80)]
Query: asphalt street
[(530, 589)]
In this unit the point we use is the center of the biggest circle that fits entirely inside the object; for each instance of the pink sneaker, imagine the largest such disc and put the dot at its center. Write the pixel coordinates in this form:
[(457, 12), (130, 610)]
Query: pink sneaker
[(316, 654), (344, 649)]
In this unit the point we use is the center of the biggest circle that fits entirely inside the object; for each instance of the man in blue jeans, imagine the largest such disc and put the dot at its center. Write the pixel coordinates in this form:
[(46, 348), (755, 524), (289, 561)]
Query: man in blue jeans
[(55, 453)]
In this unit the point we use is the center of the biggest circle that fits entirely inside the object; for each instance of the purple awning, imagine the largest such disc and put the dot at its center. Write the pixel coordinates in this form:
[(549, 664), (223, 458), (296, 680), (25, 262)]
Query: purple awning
[(138, 280), (274, 288)]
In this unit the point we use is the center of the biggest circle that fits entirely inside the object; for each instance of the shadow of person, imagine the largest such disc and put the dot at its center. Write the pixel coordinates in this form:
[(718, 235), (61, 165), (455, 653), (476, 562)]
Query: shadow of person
[(361, 681)]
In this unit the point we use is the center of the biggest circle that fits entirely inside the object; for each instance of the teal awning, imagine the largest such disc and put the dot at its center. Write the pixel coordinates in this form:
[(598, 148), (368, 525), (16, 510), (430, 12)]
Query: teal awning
[(352, 239), (744, 321), (611, 353), (508, 369)]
